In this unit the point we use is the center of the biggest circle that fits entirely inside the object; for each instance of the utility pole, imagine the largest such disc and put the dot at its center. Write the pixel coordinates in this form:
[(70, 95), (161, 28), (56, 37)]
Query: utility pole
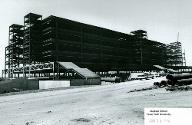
[(178, 37)]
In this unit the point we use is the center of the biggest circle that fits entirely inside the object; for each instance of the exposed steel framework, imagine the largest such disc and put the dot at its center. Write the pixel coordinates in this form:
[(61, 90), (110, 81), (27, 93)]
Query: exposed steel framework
[(32, 39), (52, 39), (175, 56), (98, 48), (14, 51)]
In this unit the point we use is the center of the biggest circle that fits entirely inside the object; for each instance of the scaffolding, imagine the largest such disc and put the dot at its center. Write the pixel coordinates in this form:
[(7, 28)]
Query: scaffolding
[(174, 54)]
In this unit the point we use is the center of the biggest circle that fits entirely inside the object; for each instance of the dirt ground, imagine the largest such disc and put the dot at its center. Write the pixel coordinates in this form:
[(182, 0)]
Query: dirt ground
[(111, 104)]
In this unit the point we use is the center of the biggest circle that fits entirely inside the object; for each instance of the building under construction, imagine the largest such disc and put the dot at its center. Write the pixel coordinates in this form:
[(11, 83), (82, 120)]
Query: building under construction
[(56, 48)]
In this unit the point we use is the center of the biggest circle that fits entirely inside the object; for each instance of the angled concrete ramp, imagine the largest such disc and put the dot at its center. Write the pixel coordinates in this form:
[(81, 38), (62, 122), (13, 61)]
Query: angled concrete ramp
[(68, 65), (84, 72)]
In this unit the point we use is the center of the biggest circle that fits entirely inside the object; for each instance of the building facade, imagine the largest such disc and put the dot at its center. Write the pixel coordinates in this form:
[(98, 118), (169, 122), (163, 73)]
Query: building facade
[(99, 49)]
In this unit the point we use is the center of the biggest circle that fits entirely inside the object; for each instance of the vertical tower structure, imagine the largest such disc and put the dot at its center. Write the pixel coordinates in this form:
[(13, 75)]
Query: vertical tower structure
[(184, 59), (32, 47), (14, 51), (174, 54)]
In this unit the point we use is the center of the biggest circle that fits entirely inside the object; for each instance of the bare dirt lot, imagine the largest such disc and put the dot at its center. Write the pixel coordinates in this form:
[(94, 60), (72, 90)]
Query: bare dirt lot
[(98, 105)]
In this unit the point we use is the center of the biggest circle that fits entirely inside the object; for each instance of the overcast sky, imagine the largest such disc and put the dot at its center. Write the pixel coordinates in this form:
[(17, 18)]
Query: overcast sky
[(162, 19)]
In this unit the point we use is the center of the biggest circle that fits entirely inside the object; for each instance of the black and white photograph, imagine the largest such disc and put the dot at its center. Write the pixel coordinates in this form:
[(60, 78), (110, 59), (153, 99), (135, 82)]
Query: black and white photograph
[(95, 62)]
